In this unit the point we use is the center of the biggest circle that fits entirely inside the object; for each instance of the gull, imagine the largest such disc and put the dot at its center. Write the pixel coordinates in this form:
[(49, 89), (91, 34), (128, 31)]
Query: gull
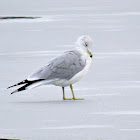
[(64, 70)]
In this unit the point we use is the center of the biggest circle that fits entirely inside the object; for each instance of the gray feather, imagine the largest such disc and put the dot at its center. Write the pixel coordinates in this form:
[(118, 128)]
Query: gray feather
[(62, 67)]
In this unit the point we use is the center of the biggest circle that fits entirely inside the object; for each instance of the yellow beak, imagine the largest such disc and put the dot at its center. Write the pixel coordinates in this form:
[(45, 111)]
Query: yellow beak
[(90, 54)]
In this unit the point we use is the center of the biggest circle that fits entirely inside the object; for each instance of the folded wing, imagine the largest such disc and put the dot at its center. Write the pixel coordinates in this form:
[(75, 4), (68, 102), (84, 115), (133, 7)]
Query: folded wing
[(62, 67)]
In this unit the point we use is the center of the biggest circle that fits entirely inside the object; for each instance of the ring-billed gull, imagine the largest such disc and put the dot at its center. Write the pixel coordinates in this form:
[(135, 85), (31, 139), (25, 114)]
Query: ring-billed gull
[(63, 70)]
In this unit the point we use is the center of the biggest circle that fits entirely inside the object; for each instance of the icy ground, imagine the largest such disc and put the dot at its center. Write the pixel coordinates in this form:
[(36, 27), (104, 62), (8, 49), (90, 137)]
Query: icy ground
[(111, 109)]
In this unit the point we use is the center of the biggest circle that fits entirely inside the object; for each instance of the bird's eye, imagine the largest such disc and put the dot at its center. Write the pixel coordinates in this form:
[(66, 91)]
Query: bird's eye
[(86, 44)]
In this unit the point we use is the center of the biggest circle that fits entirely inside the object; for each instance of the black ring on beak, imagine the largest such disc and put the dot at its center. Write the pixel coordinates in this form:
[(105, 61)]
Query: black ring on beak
[(91, 56)]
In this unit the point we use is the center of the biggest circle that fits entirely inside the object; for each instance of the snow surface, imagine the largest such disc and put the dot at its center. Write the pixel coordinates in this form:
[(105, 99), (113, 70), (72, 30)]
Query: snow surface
[(111, 109)]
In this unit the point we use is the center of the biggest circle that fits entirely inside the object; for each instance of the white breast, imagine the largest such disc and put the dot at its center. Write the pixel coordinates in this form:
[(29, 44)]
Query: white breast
[(79, 75)]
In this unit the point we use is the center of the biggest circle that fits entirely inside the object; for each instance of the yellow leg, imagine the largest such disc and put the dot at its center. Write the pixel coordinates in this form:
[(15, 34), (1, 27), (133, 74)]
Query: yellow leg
[(64, 98), (73, 94)]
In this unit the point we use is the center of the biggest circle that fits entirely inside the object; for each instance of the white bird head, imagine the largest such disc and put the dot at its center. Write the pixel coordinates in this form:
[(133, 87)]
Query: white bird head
[(85, 43)]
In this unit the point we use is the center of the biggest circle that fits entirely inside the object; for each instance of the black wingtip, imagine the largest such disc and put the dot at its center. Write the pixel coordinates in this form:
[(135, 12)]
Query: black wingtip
[(20, 83), (26, 82), (9, 87), (21, 88), (14, 91)]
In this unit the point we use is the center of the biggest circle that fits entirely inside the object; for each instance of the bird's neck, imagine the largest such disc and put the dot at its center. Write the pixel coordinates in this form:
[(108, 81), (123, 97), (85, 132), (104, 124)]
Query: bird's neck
[(82, 50)]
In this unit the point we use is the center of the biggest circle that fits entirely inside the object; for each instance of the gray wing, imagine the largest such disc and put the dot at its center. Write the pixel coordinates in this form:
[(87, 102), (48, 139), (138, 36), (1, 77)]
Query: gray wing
[(62, 67)]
